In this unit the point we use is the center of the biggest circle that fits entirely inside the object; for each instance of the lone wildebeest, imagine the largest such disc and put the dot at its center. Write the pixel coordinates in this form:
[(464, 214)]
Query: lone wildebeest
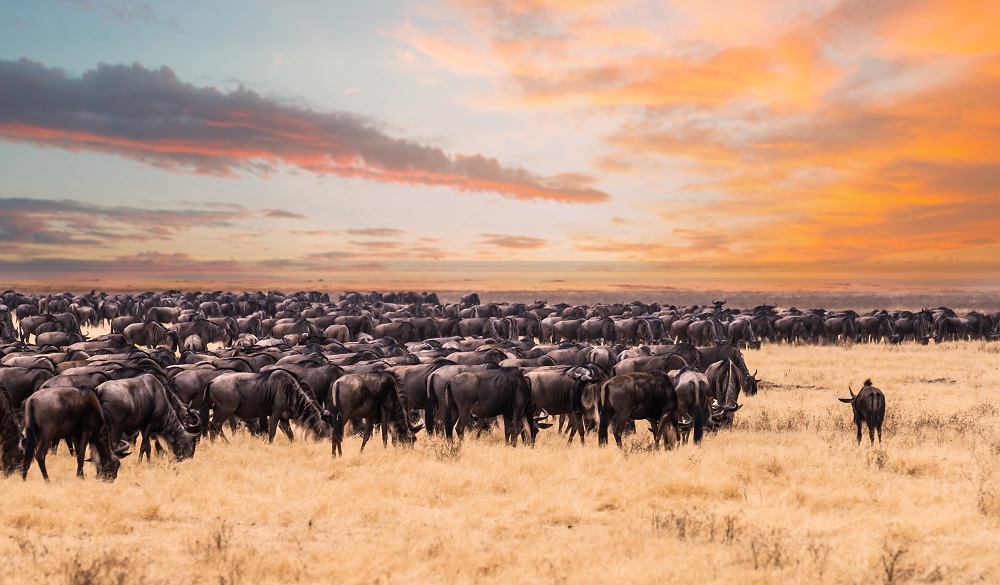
[(869, 407)]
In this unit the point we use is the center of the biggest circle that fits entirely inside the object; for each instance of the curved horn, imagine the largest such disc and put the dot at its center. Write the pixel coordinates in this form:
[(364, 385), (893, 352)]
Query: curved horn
[(122, 449), (197, 426), (542, 416)]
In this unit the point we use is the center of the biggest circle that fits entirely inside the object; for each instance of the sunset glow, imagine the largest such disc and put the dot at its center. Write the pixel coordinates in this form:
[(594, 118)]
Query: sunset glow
[(538, 143)]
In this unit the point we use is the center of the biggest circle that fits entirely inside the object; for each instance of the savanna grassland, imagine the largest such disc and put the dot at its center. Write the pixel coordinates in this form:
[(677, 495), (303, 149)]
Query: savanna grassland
[(787, 496)]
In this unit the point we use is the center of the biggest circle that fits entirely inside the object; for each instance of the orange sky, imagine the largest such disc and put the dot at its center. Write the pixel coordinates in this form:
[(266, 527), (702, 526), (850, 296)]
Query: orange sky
[(780, 144)]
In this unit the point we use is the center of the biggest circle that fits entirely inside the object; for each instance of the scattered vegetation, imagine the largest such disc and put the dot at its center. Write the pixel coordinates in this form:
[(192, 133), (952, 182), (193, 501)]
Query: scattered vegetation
[(786, 496)]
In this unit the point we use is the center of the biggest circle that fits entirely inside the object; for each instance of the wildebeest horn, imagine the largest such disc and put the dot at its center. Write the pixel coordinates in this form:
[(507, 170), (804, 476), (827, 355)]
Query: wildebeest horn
[(542, 416), (196, 426), (122, 449), (732, 408)]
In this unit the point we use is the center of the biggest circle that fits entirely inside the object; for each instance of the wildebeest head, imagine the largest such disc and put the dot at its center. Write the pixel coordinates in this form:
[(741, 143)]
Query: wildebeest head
[(750, 384)]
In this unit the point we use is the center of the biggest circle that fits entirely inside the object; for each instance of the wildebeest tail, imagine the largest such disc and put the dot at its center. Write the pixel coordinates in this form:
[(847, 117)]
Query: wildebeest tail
[(336, 415), (203, 410), (699, 419), (602, 428), (30, 441), (430, 406), (447, 411)]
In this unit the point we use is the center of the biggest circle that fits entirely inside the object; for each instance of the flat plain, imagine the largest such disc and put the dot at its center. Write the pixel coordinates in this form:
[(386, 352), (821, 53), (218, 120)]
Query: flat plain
[(787, 496)]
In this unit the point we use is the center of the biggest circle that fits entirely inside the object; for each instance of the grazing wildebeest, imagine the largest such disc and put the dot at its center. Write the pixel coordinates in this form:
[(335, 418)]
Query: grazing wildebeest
[(437, 381), (274, 394), (640, 395), (663, 363), (869, 407), (149, 334), (692, 390), (488, 393), (143, 404), (741, 331), (725, 384), (53, 414), (375, 397), (22, 382), (10, 436), (560, 391), (710, 355)]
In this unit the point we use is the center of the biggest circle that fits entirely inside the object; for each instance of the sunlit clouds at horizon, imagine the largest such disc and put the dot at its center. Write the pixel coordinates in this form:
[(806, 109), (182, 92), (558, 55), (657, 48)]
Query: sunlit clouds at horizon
[(774, 144)]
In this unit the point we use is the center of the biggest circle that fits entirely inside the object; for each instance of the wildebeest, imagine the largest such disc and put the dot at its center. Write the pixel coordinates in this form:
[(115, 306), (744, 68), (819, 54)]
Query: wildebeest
[(375, 397), (53, 414), (725, 384), (484, 394), (143, 404), (150, 334), (691, 389), (710, 355), (22, 382), (560, 391), (437, 381), (663, 363), (869, 407), (274, 394), (10, 436), (640, 395)]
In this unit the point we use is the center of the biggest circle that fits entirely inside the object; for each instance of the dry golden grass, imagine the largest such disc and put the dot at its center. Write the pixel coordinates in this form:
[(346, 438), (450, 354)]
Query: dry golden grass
[(785, 497)]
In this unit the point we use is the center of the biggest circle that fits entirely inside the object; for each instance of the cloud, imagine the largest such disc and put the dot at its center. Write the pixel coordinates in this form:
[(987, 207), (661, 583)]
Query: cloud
[(151, 115), (282, 214), (831, 132), (376, 232), (125, 12), (513, 242), (66, 222)]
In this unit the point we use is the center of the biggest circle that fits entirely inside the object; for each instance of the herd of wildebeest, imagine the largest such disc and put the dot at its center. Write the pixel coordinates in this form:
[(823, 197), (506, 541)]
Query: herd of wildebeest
[(403, 362)]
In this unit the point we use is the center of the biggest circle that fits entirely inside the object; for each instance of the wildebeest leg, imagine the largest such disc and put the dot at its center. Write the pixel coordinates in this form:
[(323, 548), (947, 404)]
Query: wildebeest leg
[(369, 429), (144, 445), (656, 427), (43, 448), (858, 422), (215, 428), (286, 428), (81, 446), (509, 431), (878, 428), (272, 427), (620, 423), (578, 420), (463, 421), (572, 427), (607, 413), (871, 434), (385, 428)]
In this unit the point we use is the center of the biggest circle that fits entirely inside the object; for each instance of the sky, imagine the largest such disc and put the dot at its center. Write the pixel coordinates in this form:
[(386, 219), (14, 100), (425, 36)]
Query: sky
[(479, 143)]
